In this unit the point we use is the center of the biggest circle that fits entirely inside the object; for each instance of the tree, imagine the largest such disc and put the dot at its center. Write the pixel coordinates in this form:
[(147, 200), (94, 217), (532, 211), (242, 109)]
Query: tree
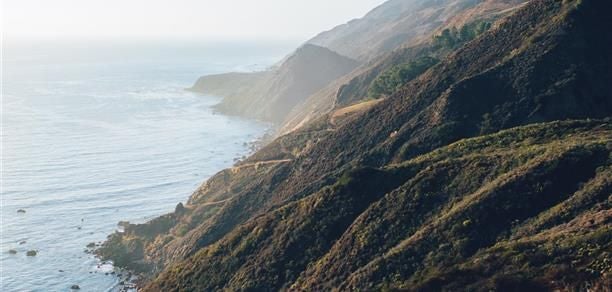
[(393, 79)]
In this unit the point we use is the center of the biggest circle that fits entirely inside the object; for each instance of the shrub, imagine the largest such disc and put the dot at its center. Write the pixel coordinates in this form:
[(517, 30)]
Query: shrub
[(394, 78), (452, 38)]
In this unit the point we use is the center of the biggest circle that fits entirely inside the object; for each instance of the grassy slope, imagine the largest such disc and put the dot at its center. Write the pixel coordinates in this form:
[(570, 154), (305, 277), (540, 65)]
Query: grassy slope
[(547, 62), (353, 87), (413, 222)]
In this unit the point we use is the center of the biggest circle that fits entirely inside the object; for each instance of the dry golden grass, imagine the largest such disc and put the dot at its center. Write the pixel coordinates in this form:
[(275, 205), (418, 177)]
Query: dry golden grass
[(348, 111)]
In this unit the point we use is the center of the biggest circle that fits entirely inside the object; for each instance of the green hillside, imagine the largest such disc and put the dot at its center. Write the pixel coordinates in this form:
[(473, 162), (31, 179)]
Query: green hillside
[(491, 170)]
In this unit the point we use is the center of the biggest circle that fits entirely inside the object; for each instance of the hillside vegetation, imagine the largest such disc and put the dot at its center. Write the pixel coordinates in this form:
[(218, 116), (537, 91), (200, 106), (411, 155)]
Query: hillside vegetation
[(303, 86), (393, 79), (396, 23), (353, 87), (477, 207), (489, 171)]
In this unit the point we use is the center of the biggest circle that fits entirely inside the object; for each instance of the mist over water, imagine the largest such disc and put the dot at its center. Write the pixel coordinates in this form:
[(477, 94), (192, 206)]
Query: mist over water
[(95, 133)]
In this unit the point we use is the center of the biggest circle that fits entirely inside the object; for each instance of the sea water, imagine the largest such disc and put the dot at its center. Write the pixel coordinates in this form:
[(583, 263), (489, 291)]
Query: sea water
[(95, 132)]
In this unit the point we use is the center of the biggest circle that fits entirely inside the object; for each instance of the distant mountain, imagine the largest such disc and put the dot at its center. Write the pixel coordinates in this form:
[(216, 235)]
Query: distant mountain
[(303, 85), (354, 86), (399, 22), (231, 85), (271, 95), (491, 170)]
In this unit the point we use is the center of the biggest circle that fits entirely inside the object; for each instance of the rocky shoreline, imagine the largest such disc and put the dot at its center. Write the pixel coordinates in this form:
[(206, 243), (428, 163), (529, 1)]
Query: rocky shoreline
[(128, 280), (437, 187)]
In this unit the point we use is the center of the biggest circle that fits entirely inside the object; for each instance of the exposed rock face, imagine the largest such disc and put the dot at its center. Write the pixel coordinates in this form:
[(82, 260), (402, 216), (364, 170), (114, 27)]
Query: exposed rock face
[(271, 95), (469, 177)]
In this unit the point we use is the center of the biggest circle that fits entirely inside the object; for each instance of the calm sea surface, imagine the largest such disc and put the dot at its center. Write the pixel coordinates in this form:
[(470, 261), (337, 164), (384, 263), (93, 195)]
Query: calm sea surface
[(98, 132)]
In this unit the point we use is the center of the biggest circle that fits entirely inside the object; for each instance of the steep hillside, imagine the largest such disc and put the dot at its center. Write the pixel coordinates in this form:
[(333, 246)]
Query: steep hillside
[(271, 95), (418, 222), (291, 95), (367, 202), (354, 87), (397, 22)]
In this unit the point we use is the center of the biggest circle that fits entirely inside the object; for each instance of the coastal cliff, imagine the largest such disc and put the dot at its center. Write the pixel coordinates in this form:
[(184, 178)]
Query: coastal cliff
[(424, 31), (306, 85), (271, 95), (488, 170)]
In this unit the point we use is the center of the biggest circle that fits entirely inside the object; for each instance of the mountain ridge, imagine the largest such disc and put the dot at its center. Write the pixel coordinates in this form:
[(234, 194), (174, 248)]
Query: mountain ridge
[(270, 95), (336, 93), (469, 167), (250, 94)]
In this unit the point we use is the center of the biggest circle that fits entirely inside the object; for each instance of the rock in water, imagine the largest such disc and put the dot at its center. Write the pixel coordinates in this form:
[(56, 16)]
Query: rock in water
[(31, 253), (75, 287), (22, 211), (180, 209)]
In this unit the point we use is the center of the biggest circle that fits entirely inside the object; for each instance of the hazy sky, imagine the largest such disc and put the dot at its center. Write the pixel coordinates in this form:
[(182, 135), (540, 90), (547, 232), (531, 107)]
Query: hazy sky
[(230, 19)]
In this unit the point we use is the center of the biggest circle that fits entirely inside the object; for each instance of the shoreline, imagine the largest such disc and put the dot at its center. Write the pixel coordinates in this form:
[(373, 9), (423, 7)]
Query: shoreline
[(132, 278)]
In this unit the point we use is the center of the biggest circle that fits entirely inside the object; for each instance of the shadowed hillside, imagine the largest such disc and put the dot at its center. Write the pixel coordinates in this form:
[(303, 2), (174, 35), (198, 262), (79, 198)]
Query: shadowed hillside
[(421, 190), (457, 22), (304, 85), (420, 221)]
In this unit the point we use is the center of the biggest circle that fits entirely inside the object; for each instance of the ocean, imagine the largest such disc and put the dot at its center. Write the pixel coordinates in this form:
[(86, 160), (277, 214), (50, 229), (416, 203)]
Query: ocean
[(96, 132)]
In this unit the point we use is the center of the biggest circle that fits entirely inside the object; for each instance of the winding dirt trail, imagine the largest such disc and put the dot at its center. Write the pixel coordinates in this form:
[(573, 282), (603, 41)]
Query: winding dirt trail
[(257, 164)]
